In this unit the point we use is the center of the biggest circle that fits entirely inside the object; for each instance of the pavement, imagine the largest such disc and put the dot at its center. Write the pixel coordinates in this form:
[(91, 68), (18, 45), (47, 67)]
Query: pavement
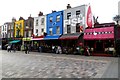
[(50, 65)]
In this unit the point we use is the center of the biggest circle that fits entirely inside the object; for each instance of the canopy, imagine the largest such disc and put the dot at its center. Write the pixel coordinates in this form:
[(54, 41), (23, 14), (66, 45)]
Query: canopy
[(70, 36), (99, 33), (15, 41), (49, 37)]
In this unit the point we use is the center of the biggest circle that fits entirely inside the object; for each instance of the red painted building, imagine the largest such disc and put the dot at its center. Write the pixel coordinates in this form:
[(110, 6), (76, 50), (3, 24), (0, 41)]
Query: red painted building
[(101, 39)]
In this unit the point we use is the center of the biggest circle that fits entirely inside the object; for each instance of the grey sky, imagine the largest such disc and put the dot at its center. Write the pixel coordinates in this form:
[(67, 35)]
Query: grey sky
[(105, 9)]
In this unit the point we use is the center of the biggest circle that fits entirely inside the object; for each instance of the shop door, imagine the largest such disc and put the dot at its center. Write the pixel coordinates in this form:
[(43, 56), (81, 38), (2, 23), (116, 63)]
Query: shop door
[(99, 47)]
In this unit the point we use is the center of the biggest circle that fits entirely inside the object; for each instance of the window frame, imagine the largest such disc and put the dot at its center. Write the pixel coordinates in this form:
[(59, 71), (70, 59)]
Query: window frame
[(68, 15)]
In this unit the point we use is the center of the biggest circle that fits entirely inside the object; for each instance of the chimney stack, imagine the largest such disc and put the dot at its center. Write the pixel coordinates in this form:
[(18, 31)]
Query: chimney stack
[(53, 11), (68, 6), (21, 18), (40, 13)]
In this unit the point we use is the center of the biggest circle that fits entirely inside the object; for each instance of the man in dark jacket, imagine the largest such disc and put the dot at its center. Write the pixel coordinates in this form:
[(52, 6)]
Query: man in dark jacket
[(26, 49)]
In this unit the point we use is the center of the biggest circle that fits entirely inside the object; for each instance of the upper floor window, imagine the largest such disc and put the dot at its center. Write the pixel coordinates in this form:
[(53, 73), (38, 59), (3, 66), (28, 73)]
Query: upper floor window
[(30, 23), (50, 31), (16, 25), (20, 25), (42, 21), (57, 30), (78, 27), (58, 18), (68, 29), (3, 35), (42, 30), (37, 22), (11, 34), (9, 27), (68, 15), (51, 19), (5, 28), (36, 32), (78, 13), (30, 33)]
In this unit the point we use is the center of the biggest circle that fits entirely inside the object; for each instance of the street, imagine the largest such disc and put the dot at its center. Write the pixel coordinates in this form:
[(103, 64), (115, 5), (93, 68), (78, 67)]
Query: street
[(50, 65)]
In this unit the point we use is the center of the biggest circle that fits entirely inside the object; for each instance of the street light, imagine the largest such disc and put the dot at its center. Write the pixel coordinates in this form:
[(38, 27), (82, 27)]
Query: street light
[(117, 19)]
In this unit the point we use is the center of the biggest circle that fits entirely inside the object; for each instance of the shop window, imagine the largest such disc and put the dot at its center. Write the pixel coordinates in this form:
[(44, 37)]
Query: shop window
[(57, 30), (58, 18), (68, 29), (68, 15), (51, 19)]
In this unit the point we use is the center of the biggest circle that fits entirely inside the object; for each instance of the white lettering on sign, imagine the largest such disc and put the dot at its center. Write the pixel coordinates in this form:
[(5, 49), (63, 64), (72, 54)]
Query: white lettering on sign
[(74, 20)]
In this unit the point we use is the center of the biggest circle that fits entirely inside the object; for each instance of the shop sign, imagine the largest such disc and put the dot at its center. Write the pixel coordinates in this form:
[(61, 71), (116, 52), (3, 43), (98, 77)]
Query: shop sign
[(74, 20)]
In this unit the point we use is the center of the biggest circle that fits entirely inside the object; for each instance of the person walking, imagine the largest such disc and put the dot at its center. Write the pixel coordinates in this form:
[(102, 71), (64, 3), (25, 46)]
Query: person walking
[(9, 48), (87, 53), (14, 48), (26, 49)]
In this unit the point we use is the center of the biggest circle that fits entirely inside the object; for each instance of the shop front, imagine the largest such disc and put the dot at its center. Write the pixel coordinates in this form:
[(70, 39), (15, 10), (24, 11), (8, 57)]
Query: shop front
[(72, 43), (100, 40), (50, 41), (36, 42)]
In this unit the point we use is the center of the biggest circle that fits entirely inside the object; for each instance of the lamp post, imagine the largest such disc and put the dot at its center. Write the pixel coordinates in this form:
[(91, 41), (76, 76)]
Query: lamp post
[(117, 19)]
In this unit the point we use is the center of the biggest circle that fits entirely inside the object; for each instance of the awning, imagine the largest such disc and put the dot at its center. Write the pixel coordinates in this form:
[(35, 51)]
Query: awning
[(70, 36), (15, 41), (38, 38), (99, 33), (51, 37)]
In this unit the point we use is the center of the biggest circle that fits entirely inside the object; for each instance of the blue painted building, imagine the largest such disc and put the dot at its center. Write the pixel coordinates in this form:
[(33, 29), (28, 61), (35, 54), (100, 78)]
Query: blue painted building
[(54, 25)]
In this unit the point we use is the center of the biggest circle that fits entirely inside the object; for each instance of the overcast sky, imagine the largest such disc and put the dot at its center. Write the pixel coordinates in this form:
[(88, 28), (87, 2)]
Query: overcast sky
[(104, 9)]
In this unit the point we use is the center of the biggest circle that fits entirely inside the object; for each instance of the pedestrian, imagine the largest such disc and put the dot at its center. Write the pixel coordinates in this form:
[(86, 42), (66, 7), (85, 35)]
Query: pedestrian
[(14, 48), (26, 49), (9, 48), (40, 49), (53, 48), (87, 53)]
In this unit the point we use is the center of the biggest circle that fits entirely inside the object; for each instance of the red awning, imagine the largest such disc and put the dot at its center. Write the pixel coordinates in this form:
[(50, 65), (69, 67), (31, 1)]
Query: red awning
[(70, 36), (38, 38), (99, 33)]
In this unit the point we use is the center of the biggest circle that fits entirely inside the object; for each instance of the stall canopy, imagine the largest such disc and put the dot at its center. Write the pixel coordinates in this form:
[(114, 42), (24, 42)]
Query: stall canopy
[(70, 36), (99, 33), (15, 41)]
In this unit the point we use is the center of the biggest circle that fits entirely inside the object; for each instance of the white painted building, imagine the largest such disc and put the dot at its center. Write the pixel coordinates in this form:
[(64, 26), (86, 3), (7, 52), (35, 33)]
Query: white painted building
[(39, 25), (76, 19), (4, 29)]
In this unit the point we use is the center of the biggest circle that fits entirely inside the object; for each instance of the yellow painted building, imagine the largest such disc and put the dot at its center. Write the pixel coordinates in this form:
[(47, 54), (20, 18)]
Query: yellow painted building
[(19, 28)]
